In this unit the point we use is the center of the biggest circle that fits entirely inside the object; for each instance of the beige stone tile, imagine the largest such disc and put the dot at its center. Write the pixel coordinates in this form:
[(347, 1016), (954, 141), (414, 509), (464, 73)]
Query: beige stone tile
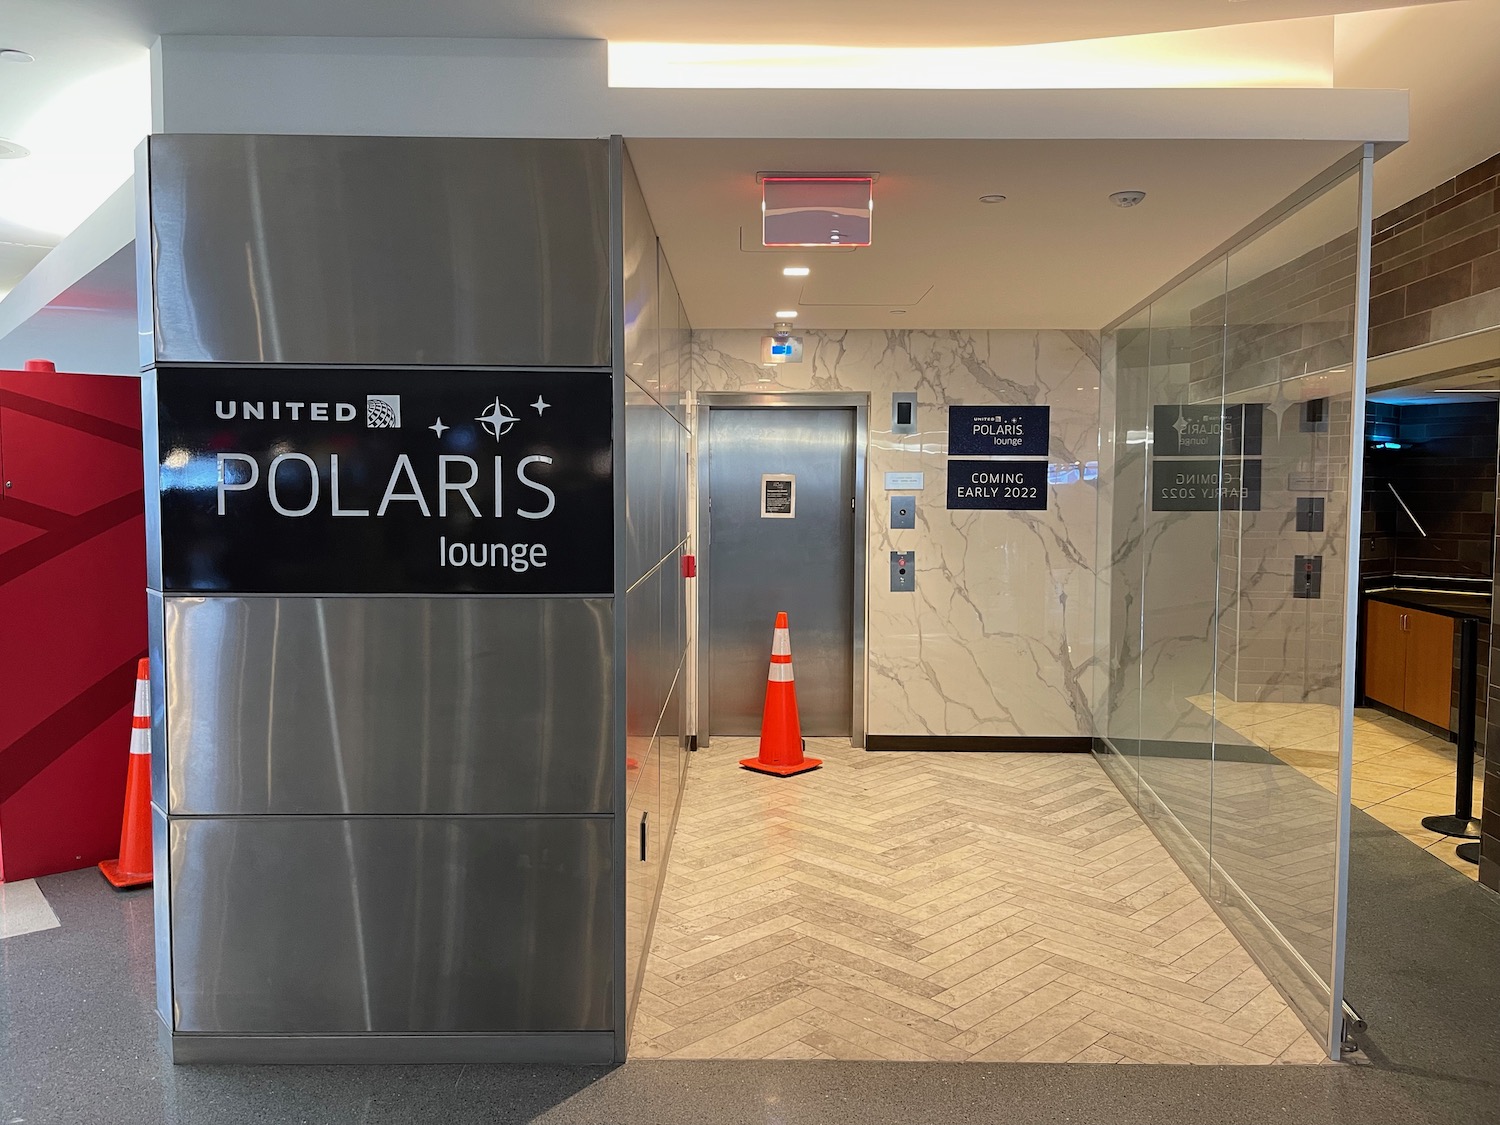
[(1425, 801), (1007, 1019), (1020, 1043), (1097, 1053), (1404, 776), (918, 906), (712, 1045)]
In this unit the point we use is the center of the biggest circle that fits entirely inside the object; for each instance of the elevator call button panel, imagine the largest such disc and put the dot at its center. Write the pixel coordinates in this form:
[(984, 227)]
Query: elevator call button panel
[(903, 571), (903, 511)]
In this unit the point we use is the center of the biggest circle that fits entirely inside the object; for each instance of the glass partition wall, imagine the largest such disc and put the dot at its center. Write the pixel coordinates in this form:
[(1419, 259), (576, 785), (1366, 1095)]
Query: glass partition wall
[(1230, 404)]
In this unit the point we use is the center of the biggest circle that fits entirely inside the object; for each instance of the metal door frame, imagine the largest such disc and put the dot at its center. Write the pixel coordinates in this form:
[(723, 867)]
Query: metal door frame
[(708, 401)]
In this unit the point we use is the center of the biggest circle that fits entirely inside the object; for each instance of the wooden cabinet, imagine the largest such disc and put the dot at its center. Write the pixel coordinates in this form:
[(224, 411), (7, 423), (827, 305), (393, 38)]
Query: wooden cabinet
[(1409, 660)]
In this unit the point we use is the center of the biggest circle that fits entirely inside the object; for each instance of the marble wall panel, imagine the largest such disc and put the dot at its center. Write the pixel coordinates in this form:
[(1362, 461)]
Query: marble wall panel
[(998, 638)]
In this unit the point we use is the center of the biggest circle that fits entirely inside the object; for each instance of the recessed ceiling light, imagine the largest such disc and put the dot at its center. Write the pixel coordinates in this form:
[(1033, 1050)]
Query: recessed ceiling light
[(1127, 198), (992, 199), (9, 150), (796, 271), (786, 314), (15, 55)]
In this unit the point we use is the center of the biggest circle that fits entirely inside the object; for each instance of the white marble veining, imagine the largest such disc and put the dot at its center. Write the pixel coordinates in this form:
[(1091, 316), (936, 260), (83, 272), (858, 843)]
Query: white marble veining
[(998, 638)]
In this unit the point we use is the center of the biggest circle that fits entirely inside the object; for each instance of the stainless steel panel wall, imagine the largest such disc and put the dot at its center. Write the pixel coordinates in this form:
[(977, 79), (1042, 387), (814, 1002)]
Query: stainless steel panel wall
[(803, 565), (388, 250), (654, 334), (306, 925), (389, 705)]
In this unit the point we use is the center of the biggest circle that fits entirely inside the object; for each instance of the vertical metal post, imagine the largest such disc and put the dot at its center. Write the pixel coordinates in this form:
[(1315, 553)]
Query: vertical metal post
[(1355, 494), (1462, 822)]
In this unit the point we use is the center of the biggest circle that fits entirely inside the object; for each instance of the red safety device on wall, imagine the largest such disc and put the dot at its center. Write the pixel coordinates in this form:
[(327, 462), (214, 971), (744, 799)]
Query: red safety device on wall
[(690, 566), (73, 603)]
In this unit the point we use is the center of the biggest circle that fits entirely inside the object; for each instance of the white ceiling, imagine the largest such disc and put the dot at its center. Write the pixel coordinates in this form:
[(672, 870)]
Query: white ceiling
[(848, 22), (1055, 254), (83, 105)]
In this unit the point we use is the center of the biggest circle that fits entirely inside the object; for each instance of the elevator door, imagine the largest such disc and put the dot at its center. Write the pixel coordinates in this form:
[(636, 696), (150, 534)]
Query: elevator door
[(760, 564)]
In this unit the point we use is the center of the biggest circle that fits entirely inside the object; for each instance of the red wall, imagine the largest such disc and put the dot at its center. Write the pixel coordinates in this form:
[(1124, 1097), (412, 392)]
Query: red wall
[(72, 614)]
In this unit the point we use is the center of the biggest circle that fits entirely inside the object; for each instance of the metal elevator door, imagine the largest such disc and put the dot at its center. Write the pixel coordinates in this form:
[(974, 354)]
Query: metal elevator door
[(758, 565)]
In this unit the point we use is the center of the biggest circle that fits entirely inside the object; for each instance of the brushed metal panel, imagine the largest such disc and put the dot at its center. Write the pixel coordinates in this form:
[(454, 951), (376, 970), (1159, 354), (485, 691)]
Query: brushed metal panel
[(643, 484), (641, 312), (758, 567), (156, 651), (161, 908), (151, 476), (389, 250), (316, 925), (579, 1048), (642, 678), (389, 705)]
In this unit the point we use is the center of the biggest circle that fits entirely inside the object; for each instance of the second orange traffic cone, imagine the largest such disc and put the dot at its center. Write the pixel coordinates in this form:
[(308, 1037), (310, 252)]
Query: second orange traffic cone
[(780, 728), (133, 868)]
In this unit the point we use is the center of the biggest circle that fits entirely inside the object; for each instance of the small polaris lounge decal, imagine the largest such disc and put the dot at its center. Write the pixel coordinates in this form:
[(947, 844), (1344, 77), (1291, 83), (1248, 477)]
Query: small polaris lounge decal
[(999, 431), (277, 480), (998, 485)]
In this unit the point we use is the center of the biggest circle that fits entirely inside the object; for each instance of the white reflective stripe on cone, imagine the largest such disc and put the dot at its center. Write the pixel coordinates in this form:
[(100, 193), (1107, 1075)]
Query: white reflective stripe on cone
[(143, 697), (140, 741), (781, 673), (781, 644)]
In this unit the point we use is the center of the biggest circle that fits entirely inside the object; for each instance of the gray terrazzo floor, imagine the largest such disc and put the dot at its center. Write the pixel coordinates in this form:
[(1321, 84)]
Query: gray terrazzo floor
[(78, 1045)]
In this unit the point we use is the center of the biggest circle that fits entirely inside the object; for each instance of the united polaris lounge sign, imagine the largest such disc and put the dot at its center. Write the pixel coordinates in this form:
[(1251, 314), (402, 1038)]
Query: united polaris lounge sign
[(317, 481)]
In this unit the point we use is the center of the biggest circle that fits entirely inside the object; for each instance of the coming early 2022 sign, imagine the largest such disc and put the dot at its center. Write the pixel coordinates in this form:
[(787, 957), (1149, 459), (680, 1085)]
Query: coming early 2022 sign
[(277, 480), (1017, 438)]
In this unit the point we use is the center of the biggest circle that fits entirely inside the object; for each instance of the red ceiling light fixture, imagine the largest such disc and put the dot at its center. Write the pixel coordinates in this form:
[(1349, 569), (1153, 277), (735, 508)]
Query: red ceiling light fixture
[(800, 209)]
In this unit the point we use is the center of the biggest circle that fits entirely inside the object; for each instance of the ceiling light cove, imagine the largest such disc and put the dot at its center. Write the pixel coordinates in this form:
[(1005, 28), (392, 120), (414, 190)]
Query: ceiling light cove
[(1283, 54)]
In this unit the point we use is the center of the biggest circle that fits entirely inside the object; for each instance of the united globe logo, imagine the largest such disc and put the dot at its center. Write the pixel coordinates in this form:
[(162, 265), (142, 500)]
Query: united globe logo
[(383, 412)]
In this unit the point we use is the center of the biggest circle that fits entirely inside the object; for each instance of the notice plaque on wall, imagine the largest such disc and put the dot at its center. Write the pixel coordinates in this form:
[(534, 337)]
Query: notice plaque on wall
[(1206, 430), (310, 481), (998, 431), (778, 496), (998, 485), (1206, 485)]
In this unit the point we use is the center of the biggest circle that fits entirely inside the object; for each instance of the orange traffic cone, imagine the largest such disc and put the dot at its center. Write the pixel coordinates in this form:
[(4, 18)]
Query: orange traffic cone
[(133, 868), (780, 729)]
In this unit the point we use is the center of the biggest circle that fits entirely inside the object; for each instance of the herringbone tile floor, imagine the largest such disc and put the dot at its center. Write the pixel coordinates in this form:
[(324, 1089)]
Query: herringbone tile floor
[(908, 906)]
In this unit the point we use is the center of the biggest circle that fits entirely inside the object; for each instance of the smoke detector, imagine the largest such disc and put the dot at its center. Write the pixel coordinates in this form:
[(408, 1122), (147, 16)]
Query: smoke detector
[(1127, 198)]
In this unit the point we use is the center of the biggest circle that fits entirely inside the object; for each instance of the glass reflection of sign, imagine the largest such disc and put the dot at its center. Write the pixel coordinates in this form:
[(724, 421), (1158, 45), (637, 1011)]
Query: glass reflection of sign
[(817, 210), (1207, 429), (1206, 485)]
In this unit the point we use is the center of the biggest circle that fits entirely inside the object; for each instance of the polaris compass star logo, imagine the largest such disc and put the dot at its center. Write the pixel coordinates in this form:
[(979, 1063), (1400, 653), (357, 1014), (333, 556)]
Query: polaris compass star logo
[(497, 419)]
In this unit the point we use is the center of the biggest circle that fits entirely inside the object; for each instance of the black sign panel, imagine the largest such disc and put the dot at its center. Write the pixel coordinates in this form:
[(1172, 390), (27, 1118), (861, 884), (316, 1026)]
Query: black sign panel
[(998, 485), (285, 480), (1207, 430), (998, 431), (1205, 485)]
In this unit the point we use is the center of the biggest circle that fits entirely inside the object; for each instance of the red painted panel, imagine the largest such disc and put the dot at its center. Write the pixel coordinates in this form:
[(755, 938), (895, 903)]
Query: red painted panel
[(84, 790), (63, 469), (72, 595)]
